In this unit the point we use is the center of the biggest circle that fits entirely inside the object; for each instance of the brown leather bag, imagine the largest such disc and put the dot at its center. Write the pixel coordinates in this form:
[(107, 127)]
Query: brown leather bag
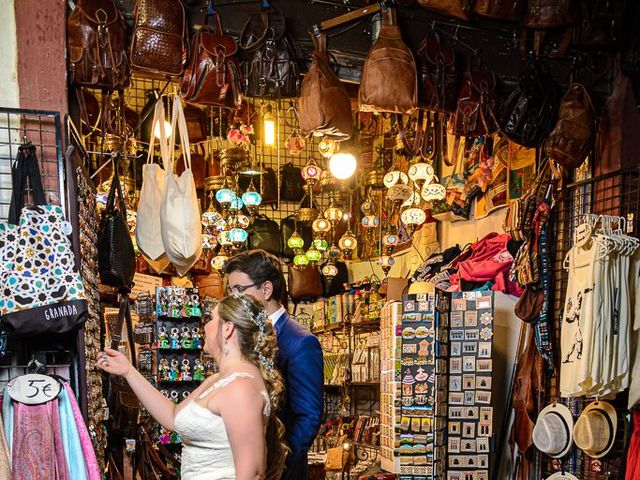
[(324, 104), (507, 10), (448, 8), (545, 14), (211, 285), (97, 45), (474, 115), (304, 284), (159, 40), (212, 75), (389, 81), (196, 124), (618, 138), (438, 76), (572, 139)]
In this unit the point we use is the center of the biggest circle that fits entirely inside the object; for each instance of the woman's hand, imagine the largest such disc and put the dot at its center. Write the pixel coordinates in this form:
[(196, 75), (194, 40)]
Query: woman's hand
[(114, 362)]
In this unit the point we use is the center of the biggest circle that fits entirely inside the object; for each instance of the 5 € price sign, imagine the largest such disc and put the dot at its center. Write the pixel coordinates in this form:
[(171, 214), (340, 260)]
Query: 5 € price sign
[(33, 389)]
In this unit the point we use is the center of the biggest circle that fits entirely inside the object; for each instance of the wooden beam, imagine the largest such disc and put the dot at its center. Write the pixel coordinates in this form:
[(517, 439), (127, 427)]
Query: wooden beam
[(351, 16)]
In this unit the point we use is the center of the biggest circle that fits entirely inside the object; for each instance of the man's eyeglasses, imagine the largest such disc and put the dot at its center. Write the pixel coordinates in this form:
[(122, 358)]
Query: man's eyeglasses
[(238, 289)]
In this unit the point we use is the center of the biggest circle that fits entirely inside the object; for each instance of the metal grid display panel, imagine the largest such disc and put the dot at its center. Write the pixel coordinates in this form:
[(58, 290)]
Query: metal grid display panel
[(617, 195)]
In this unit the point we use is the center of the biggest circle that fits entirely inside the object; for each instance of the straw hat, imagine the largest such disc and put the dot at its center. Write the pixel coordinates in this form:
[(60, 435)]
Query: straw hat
[(553, 430), (595, 429), (562, 476)]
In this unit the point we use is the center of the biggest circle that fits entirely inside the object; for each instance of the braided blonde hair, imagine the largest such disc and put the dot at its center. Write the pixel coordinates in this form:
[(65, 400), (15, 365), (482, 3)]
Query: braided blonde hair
[(258, 345)]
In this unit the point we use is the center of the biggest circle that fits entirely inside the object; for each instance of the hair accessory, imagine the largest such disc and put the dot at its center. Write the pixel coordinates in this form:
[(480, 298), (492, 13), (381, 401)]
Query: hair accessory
[(268, 364)]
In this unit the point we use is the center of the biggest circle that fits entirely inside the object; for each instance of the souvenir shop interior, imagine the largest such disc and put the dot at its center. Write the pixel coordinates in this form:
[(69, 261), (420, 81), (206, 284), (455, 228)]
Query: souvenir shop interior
[(451, 187)]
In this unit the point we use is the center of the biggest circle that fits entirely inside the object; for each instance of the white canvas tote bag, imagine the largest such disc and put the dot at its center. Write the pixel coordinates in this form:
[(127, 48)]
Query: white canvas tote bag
[(181, 226), (154, 178)]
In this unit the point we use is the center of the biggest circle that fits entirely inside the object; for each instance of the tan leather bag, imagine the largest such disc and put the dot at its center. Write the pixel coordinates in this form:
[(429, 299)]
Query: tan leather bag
[(304, 284), (324, 106), (211, 285), (158, 43), (389, 82), (572, 138), (448, 8), (511, 11)]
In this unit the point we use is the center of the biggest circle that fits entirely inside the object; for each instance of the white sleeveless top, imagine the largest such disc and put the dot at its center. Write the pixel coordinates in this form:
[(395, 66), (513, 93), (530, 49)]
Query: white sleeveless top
[(206, 452)]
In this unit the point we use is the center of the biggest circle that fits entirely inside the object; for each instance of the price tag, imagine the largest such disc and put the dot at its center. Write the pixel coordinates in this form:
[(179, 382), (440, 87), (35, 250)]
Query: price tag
[(130, 445), (33, 389)]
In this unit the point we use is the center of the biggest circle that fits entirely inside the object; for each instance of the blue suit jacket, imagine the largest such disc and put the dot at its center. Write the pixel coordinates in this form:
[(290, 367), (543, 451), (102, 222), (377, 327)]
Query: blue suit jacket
[(300, 363)]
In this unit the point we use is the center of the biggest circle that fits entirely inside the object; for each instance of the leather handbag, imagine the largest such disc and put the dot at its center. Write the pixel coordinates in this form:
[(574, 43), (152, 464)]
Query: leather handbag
[(116, 256), (474, 115), (600, 24), (212, 75), (573, 135), (159, 40), (389, 80), (97, 45), (289, 225), (264, 233), (271, 69), (618, 138), (529, 305), (437, 75), (305, 284), (324, 106), (196, 124), (531, 109), (509, 10), (291, 183), (448, 8), (211, 285), (546, 14)]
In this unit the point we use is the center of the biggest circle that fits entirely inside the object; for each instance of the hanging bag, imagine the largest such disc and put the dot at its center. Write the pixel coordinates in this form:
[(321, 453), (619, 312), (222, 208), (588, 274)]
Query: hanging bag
[(41, 291), (291, 183), (159, 40), (181, 227), (389, 81), (154, 179), (304, 283), (264, 233), (212, 75), (324, 106), (116, 256)]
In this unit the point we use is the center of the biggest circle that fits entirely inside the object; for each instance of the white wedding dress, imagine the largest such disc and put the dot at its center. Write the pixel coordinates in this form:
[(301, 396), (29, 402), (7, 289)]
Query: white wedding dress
[(206, 452)]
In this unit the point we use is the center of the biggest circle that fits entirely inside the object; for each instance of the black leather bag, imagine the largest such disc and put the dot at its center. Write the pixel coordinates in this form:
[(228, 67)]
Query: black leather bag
[(287, 227), (270, 69), (116, 256), (264, 233), (531, 109), (291, 183)]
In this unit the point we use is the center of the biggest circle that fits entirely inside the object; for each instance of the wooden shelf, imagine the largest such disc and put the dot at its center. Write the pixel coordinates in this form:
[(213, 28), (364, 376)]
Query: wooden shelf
[(365, 384)]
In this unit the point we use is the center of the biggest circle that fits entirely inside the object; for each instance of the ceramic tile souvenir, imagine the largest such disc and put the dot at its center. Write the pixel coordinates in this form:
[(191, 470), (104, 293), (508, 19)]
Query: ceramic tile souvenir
[(470, 397), (484, 350), (482, 444), (483, 365), (483, 383), (471, 318), (456, 349), (472, 334), (483, 397), (457, 319), (455, 365), (469, 363), (483, 303), (456, 398), (468, 445), (453, 444), (455, 383), (468, 430), (469, 348), (468, 382)]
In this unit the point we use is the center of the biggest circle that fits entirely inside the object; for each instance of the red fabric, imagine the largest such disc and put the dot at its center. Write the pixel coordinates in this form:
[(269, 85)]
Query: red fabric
[(490, 260), (633, 453)]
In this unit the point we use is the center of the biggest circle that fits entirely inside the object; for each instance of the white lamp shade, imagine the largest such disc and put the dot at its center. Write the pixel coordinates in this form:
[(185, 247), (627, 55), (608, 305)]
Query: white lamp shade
[(342, 165)]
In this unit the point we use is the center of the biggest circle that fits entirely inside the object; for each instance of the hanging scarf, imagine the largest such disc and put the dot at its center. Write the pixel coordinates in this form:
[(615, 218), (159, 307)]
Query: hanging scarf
[(71, 438), (89, 455), (37, 452), (7, 420), (5, 463)]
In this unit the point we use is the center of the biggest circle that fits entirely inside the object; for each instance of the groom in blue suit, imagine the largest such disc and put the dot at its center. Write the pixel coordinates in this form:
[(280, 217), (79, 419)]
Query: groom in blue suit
[(258, 273)]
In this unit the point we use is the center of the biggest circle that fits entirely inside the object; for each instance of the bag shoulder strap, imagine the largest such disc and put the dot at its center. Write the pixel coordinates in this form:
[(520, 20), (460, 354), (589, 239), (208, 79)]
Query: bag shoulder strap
[(158, 119), (25, 168), (178, 117), (124, 317), (116, 188)]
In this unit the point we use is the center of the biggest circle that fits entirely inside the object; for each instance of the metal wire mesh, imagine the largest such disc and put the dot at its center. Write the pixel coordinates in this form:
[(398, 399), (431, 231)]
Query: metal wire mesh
[(617, 195)]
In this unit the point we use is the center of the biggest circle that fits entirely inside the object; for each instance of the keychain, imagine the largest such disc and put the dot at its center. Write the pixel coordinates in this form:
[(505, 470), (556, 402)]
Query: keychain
[(175, 339), (186, 370), (198, 371), (174, 372), (163, 369), (195, 337), (186, 338)]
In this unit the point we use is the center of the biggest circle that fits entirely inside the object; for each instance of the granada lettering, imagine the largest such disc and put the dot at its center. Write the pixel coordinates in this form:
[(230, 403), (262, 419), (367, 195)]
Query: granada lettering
[(61, 311)]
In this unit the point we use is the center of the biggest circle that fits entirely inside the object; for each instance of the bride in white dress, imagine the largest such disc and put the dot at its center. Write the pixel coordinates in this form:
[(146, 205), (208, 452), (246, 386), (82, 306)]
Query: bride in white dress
[(227, 422)]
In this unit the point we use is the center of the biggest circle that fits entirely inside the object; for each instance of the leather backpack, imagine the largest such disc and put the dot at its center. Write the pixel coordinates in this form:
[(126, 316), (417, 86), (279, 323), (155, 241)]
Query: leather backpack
[(438, 76), (270, 69), (448, 8), (287, 227), (545, 14), (211, 285), (304, 284), (324, 106), (97, 45), (573, 135), (159, 40), (507, 10), (212, 75), (264, 233), (531, 109), (291, 183), (474, 115), (389, 80)]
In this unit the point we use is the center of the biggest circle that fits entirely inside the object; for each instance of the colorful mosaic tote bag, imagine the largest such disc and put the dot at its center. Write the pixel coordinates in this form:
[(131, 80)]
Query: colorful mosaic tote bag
[(40, 288)]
